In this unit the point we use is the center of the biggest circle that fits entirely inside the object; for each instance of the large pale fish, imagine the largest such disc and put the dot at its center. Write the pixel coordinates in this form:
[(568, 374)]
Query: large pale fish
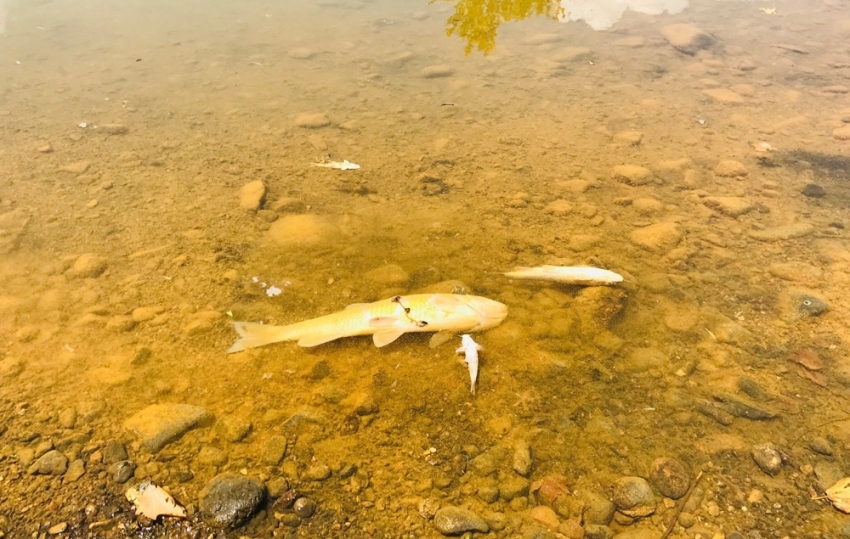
[(386, 320), (583, 275)]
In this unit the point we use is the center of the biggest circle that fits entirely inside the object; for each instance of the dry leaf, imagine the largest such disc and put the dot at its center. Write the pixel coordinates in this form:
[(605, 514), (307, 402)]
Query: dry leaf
[(839, 495), (550, 488), (807, 358), (152, 501)]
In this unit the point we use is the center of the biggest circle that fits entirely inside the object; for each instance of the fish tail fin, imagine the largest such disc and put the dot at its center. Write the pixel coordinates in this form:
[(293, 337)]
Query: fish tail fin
[(253, 335)]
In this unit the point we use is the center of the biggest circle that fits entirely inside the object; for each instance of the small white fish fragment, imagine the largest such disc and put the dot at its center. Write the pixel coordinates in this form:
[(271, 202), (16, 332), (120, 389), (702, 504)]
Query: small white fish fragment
[(272, 291), (470, 349), (344, 165), (839, 495), (582, 275), (152, 501), (762, 147)]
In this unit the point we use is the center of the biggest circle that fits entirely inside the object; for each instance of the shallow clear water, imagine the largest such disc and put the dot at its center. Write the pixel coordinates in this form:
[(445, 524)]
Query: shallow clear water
[(489, 136)]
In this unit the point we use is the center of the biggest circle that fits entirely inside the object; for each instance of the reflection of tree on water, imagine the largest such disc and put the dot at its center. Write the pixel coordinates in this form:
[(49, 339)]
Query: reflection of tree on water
[(477, 21)]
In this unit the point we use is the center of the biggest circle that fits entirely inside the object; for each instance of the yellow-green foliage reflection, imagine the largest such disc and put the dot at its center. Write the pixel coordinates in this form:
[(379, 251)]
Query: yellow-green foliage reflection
[(477, 21)]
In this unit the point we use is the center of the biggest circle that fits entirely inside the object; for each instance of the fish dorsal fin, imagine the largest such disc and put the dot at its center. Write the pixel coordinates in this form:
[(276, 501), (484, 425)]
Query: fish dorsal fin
[(441, 337), (316, 340), (383, 338)]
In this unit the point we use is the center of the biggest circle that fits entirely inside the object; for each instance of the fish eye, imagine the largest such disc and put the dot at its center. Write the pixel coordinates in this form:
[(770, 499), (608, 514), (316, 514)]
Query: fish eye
[(807, 302)]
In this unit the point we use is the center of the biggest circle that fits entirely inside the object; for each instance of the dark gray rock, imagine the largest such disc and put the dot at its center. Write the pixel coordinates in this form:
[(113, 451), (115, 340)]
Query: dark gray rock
[(821, 446), (160, 424), (451, 520), (768, 458), (740, 408), (633, 497), (670, 477), (753, 389), (715, 412), (813, 190), (810, 305), (114, 452), (122, 471), (51, 463), (230, 498)]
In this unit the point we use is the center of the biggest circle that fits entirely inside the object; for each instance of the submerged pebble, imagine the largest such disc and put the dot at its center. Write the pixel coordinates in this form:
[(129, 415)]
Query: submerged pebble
[(768, 458), (633, 497), (451, 520), (230, 498)]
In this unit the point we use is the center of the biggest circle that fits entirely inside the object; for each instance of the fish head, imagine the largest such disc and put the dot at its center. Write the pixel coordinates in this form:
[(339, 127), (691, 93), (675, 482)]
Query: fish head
[(488, 313)]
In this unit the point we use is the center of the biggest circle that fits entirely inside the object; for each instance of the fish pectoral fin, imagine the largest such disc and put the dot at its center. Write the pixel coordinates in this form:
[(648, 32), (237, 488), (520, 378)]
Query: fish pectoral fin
[(383, 338), (317, 339), (442, 337)]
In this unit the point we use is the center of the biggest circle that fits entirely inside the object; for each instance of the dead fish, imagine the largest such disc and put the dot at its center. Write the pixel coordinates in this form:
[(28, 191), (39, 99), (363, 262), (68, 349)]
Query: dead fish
[(344, 165), (581, 275), (386, 320), (469, 348)]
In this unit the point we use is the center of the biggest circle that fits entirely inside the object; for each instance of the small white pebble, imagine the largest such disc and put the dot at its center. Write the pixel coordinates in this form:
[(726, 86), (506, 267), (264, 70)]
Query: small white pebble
[(272, 291), (83, 124), (255, 279)]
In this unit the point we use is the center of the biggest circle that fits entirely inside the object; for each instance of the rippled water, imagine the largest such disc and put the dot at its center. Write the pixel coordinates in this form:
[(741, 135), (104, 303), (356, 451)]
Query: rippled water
[(712, 176)]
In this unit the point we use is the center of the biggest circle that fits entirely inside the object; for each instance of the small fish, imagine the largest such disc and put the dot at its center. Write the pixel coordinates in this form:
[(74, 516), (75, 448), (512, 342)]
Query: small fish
[(470, 349), (385, 320), (345, 165), (582, 275)]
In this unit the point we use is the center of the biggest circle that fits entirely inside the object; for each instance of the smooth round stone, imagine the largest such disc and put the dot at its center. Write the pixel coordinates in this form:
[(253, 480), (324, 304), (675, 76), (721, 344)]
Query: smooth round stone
[(670, 477), (633, 497), (304, 507)]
